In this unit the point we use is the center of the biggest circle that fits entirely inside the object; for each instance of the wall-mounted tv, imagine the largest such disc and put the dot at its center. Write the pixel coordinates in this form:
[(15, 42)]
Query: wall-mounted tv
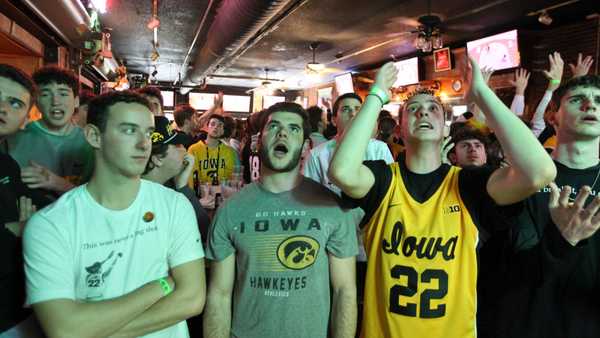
[(500, 51), (408, 72), (236, 103), (201, 101), (343, 84)]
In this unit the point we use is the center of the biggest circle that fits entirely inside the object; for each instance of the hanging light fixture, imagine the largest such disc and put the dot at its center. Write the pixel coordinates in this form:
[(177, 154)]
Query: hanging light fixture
[(428, 39)]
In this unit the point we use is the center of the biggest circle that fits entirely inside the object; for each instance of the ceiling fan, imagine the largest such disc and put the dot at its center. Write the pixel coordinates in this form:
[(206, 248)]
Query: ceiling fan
[(266, 83), (316, 68), (430, 27)]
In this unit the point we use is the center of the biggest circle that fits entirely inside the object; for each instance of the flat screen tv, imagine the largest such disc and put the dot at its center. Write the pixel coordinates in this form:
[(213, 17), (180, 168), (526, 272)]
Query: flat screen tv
[(236, 103), (500, 51), (201, 101), (408, 72)]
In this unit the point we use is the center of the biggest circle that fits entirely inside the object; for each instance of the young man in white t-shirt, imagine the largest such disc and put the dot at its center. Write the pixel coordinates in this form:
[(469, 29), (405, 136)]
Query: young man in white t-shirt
[(118, 256)]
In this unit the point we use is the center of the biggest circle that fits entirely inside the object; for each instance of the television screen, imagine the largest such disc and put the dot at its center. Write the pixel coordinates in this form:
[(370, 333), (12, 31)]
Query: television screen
[(408, 72), (201, 101), (343, 84), (168, 98), (500, 51), (269, 100), (236, 103)]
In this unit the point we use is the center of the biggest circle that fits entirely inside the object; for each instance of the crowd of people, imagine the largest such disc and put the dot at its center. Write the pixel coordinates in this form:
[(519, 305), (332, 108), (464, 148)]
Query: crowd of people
[(350, 222)]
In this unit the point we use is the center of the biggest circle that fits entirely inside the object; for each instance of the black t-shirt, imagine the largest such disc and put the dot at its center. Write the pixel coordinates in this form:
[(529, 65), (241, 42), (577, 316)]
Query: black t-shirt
[(551, 289), (486, 214), (12, 282)]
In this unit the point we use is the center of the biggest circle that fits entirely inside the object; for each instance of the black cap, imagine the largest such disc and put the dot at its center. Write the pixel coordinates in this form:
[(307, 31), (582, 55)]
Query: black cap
[(164, 134)]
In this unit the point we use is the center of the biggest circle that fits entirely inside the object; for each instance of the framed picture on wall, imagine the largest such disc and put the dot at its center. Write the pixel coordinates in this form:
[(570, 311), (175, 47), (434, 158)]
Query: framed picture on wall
[(442, 59)]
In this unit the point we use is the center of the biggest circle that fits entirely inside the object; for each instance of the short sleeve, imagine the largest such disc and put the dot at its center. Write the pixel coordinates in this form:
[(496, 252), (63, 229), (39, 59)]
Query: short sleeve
[(185, 242), (385, 153), (49, 263), (343, 241), (220, 245), (311, 168), (487, 215)]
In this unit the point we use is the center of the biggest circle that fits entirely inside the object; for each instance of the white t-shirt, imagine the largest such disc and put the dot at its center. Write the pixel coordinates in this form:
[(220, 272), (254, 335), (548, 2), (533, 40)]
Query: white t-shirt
[(317, 164), (77, 249)]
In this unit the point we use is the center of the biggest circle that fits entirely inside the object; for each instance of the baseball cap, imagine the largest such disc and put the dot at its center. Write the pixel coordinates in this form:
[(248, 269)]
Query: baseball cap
[(164, 134)]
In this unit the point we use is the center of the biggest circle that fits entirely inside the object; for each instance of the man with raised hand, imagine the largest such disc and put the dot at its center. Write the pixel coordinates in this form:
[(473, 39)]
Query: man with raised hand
[(551, 286), (282, 243), (427, 218), (118, 256)]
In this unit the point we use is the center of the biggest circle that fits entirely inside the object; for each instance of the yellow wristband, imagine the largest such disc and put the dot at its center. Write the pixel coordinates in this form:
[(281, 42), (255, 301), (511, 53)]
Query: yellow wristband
[(164, 285)]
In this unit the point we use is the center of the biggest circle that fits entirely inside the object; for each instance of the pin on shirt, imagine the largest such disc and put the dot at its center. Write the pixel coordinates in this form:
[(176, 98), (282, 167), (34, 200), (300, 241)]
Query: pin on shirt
[(148, 216)]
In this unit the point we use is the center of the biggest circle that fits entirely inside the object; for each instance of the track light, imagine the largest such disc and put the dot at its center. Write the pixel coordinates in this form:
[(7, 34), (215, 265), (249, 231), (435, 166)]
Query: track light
[(545, 18)]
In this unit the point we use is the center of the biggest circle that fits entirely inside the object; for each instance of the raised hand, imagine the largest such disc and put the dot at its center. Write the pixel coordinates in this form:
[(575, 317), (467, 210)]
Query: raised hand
[(446, 146), (26, 210), (487, 74), (582, 67), (574, 221), (520, 81), (386, 77), (475, 81), (187, 167), (555, 72)]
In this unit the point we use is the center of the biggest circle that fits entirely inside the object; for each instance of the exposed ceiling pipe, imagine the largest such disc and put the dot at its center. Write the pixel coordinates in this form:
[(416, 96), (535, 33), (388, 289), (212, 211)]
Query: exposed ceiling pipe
[(183, 68), (62, 16), (235, 23)]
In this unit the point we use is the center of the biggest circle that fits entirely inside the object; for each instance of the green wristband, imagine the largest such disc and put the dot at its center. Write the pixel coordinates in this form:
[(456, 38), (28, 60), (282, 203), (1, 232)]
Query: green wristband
[(381, 94), (554, 81), (164, 285)]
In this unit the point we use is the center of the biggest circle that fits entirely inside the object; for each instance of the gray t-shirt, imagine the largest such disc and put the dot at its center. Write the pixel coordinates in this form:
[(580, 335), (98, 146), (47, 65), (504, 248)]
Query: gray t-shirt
[(281, 242), (68, 156)]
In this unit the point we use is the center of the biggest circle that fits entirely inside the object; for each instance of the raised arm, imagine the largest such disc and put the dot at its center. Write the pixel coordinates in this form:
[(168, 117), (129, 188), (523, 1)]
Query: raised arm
[(186, 301), (531, 167), (347, 170), (344, 308), (217, 316), (520, 82), (583, 65)]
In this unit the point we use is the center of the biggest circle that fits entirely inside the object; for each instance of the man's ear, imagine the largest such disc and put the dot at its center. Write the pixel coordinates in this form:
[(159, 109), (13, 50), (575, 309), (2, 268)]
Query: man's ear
[(93, 136), (76, 101), (306, 145), (452, 157)]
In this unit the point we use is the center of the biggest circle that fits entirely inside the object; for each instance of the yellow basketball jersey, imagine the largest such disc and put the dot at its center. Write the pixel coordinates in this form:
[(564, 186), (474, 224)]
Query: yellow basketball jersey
[(211, 164), (422, 268)]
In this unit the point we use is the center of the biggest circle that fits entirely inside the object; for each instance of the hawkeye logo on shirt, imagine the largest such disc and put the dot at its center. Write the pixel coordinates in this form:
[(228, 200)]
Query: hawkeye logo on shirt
[(298, 252)]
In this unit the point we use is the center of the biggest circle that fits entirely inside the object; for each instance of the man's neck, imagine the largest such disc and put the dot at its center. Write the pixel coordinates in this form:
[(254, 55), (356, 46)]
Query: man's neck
[(187, 128), (576, 154), (277, 182), (424, 157), (64, 130), (212, 142), (111, 190)]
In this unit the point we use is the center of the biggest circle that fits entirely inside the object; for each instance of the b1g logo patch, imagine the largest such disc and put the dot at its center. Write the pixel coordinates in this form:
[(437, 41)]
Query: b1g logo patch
[(298, 252)]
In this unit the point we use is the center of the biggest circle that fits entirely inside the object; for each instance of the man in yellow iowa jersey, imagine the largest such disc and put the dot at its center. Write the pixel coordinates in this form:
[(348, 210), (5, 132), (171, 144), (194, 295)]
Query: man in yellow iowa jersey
[(426, 218)]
